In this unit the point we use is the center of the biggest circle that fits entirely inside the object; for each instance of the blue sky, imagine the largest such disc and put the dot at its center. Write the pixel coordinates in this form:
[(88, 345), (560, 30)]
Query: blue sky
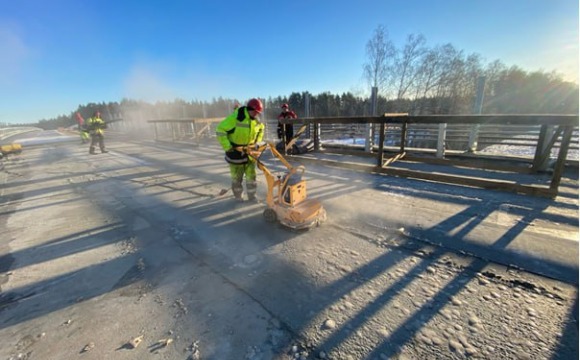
[(58, 54)]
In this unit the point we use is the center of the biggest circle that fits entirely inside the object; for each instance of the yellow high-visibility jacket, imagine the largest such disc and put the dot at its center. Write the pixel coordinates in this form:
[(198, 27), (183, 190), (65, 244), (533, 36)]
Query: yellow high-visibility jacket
[(96, 125), (238, 129)]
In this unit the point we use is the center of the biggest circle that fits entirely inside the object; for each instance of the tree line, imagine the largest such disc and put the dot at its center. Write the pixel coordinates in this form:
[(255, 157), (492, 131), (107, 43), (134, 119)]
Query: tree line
[(415, 78)]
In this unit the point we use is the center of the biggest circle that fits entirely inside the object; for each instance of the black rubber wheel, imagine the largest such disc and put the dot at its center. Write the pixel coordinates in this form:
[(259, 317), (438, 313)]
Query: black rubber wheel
[(270, 215)]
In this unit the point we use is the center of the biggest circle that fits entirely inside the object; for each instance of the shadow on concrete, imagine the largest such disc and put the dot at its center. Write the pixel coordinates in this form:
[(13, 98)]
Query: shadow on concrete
[(205, 229)]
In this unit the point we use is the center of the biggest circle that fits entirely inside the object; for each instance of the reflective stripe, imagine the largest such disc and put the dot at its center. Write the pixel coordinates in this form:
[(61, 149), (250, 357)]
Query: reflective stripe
[(236, 161), (219, 133), (243, 125)]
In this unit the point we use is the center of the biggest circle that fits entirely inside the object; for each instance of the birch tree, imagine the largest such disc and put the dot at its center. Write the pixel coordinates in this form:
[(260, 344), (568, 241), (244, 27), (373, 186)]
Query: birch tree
[(407, 64), (381, 52)]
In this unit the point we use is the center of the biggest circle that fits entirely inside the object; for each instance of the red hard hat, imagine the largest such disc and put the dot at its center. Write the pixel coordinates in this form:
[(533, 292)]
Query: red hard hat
[(256, 105), (284, 106)]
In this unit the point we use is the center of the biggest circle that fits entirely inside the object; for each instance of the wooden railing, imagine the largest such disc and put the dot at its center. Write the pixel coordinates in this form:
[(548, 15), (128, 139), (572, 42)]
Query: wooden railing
[(555, 133), (186, 130)]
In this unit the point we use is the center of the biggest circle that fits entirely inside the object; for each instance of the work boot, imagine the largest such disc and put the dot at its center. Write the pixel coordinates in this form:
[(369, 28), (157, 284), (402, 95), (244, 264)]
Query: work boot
[(104, 151), (237, 190), (238, 196), (92, 151)]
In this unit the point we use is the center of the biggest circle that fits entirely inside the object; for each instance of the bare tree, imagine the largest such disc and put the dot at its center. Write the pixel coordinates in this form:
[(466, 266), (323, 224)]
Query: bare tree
[(381, 52), (408, 63)]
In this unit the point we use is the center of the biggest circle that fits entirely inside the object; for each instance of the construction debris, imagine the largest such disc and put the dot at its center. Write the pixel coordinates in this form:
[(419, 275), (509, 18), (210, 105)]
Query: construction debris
[(135, 342), (88, 347)]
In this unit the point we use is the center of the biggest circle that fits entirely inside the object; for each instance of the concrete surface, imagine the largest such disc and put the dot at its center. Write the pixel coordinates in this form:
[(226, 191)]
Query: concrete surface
[(136, 244)]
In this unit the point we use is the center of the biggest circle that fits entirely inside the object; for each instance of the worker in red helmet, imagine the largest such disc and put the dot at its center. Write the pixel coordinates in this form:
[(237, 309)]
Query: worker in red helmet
[(96, 127), (286, 131), (82, 128), (242, 128)]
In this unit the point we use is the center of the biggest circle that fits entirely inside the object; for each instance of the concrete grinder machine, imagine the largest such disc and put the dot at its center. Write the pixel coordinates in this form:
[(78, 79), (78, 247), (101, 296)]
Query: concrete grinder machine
[(286, 198)]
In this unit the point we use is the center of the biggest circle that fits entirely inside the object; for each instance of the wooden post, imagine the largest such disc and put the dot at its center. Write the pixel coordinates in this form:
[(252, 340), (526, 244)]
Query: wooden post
[(193, 134), (538, 154), (380, 155), (441, 140), (307, 112), (546, 140), (316, 136), (561, 162), (403, 136), (369, 126), (543, 160)]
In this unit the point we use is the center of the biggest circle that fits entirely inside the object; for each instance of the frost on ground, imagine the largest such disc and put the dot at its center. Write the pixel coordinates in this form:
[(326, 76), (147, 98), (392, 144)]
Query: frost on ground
[(394, 298), (132, 254), (525, 151)]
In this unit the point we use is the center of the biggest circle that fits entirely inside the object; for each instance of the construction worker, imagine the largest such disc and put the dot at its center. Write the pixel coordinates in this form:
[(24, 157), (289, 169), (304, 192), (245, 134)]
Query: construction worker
[(242, 128), (82, 129), (286, 131), (96, 125)]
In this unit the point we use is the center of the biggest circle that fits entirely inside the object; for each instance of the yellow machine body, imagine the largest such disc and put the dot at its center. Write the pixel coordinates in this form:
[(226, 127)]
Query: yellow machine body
[(11, 149), (286, 198)]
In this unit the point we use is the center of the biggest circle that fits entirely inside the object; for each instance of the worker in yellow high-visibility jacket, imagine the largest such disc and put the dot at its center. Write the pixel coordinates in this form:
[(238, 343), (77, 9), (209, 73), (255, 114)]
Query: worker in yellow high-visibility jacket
[(96, 127), (242, 128)]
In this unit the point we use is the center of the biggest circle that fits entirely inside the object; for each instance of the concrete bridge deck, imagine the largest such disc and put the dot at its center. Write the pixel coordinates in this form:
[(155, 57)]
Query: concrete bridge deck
[(98, 250)]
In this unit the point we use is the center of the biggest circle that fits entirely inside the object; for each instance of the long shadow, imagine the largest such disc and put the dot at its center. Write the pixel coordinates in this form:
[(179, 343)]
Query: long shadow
[(407, 330), (467, 220), (529, 208), (568, 346), (66, 245), (30, 208), (53, 294), (49, 179), (199, 228), (403, 333)]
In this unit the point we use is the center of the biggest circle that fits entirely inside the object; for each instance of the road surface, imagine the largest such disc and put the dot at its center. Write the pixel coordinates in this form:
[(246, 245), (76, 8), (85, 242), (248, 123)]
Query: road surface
[(133, 255)]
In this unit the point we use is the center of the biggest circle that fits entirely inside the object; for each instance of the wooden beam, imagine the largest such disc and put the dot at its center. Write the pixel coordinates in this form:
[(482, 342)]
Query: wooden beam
[(204, 128), (544, 153), (567, 120), (560, 162), (473, 163), (502, 185), (380, 154), (200, 120), (393, 159)]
